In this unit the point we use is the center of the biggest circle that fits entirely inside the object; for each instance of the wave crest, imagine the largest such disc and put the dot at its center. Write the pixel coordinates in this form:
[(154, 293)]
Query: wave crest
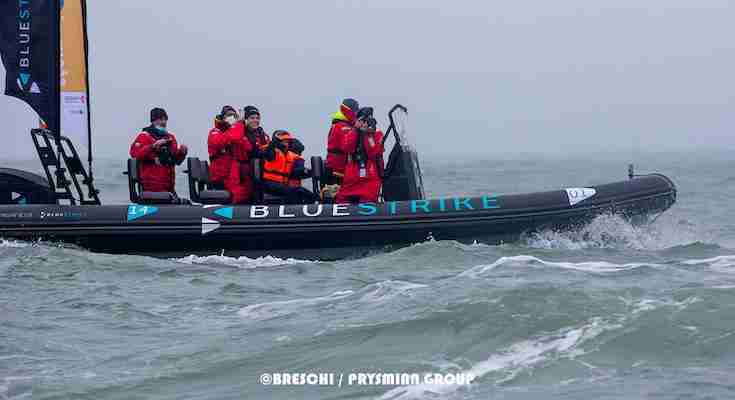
[(613, 231)]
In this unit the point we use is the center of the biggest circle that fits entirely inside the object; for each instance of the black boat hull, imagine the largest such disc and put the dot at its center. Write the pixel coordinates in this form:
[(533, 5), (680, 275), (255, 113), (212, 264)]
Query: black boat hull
[(201, 229)]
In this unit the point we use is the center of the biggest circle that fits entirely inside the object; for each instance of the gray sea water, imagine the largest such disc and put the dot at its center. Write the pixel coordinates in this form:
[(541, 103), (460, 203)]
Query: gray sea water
[(609, 312)]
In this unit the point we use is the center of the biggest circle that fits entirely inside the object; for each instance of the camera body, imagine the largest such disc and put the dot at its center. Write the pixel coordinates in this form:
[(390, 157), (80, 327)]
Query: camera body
[(372, 124), (166, 155)]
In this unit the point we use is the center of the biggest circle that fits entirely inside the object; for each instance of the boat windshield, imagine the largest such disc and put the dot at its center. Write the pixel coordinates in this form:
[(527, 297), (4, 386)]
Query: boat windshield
[(400, 118)]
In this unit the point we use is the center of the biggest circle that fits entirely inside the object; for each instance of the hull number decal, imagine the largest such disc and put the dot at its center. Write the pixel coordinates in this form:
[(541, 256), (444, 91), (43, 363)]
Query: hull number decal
[(577, 195), (136, 211)]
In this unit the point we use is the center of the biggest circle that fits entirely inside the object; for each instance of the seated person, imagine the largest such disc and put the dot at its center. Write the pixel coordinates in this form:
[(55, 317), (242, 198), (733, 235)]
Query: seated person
[(284, 168), (159, 154), (254, 132)]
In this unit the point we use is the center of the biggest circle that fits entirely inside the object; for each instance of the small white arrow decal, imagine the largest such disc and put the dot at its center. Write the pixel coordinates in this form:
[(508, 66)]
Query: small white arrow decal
[(209, 225)]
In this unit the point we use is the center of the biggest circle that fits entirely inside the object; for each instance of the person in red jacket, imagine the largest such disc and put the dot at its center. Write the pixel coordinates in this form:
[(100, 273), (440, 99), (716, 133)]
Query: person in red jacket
[(239, 181), (363, 173), (218, 145), (342, 124), (246, 140), (159, 154)]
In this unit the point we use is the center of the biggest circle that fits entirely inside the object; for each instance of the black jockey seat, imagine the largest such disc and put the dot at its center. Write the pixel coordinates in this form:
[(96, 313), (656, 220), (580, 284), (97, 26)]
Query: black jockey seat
[(261, 195), (138, 196), (201, 189)]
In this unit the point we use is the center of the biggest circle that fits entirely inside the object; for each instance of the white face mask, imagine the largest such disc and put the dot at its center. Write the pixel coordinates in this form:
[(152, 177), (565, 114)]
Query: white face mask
[(231, 120)]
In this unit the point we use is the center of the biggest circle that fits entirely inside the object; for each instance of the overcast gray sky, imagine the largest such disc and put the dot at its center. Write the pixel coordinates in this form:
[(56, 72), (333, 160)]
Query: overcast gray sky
[(477, 76)]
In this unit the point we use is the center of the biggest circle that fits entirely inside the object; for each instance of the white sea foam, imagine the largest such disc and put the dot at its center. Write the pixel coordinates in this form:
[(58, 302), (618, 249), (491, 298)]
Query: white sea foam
[(613, 231), (722, 263), (517, 357), (264, 311), (12, 244), (381, 291), (638, 307), (373, 293), (600, 267), (241, 262)]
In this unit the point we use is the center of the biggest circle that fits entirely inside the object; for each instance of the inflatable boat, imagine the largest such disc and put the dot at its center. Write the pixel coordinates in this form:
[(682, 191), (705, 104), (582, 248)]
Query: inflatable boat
[(138, 228)]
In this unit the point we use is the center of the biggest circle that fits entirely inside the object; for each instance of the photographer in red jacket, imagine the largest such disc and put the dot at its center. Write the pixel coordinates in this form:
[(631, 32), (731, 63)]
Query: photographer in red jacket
[(159, 153), (343, 122), (364, 170), (218, 146)]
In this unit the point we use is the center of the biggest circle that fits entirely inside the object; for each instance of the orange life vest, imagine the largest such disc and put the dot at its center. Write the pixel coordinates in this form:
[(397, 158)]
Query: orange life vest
[(280, 168)]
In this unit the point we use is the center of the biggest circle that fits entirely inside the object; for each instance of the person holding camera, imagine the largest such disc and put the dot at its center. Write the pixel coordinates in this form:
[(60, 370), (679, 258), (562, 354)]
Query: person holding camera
[(364, 170), (218, 146), (159, 154)]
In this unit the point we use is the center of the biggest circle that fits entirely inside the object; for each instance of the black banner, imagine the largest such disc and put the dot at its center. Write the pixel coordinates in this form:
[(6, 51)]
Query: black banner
[(29, 46)]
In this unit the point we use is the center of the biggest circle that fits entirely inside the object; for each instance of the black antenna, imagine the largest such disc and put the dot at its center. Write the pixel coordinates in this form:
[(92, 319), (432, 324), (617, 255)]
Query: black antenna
[(89, 104)]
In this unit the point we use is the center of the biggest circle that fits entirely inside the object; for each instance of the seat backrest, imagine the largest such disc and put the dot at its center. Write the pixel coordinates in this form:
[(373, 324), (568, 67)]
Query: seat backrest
[(134, 186), (194, 172), (206, 175), (318, 172), (256, 166)]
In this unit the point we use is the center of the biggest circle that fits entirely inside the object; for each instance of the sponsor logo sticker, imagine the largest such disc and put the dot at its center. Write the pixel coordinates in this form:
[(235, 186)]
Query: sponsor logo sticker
[(577, 195)]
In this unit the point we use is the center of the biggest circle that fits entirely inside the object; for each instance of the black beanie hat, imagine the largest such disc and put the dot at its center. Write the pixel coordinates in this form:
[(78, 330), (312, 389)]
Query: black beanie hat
[(158, 113), (352, 104), (250, 110), (227, 109)]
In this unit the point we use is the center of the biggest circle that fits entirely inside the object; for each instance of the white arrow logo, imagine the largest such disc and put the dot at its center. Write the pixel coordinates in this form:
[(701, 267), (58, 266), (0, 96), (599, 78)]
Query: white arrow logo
[(209, 225)]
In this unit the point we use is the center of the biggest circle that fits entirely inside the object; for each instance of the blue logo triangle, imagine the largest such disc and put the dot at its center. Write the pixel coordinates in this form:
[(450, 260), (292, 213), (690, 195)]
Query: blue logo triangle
[(224, 212), (136, 211), (24, 78)]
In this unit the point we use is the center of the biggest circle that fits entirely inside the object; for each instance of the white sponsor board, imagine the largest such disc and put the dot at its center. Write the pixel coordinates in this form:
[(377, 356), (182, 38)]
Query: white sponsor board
[(74, 117)]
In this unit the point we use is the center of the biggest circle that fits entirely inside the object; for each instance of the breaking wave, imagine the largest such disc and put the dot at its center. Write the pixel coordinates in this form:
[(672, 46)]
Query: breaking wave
[(372, 293), (613, 231)]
